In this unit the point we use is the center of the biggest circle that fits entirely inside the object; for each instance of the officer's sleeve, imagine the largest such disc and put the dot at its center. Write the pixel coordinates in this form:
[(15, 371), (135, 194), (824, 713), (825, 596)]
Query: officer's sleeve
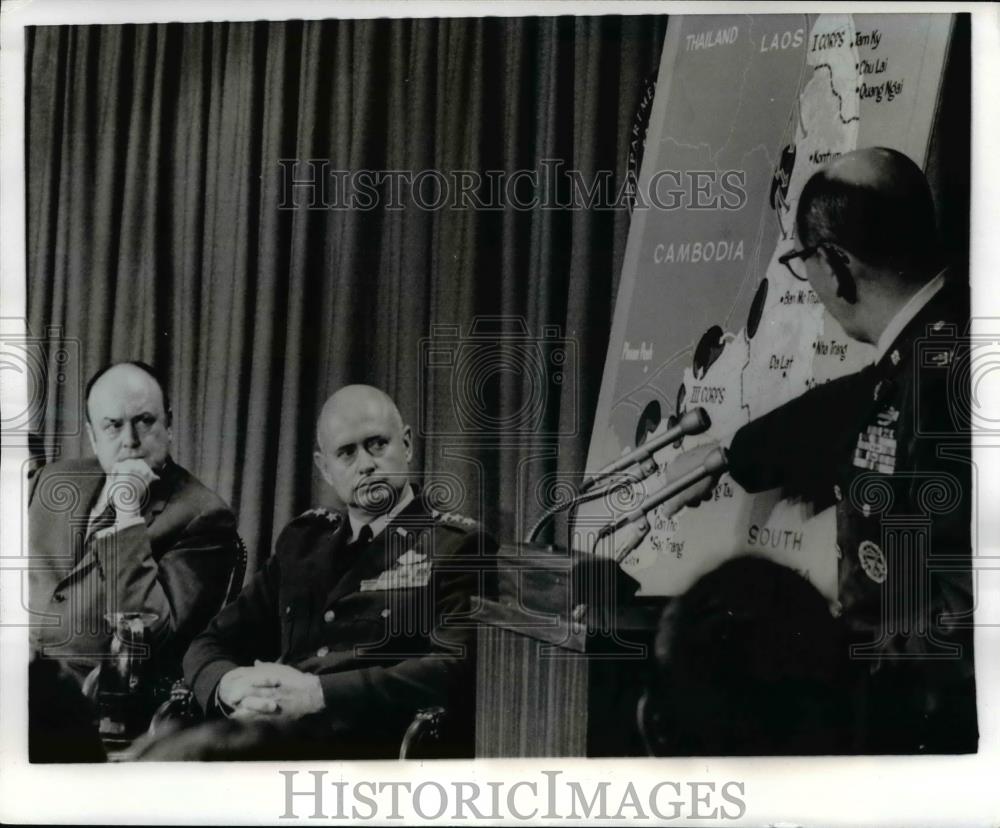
[(245, 630), (376, 694), (798, 445)]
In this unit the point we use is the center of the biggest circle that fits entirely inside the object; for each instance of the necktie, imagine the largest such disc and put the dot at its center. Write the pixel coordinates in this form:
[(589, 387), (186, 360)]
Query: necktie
[(102, 521), (363, 539), (351, 552)]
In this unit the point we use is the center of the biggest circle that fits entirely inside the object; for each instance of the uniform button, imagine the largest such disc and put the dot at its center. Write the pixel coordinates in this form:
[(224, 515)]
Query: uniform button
[(58, 597), (386, 613), (322, 652), (837, 493), (328, 616), (288, 610)]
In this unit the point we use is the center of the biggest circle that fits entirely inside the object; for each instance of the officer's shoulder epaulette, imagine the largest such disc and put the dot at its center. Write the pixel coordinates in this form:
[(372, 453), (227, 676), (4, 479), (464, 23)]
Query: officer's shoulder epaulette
[(455, 520), (320, 514)]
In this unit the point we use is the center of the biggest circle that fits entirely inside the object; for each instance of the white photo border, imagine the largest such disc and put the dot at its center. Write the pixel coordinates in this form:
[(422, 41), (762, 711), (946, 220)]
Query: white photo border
[(959, 790)]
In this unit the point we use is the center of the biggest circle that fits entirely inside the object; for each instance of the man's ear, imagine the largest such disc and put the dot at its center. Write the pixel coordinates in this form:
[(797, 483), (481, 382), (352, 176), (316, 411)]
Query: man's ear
[(90, 435), (840, 263), (407, 435), (319, 459)]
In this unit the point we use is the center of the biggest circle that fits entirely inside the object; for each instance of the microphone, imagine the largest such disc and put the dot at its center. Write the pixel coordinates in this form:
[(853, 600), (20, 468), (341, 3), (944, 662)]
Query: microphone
[(695, 421), (715, 463)]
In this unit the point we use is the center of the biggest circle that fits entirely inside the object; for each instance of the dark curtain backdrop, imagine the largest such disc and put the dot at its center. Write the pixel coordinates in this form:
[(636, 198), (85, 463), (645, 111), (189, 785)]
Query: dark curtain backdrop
[(154, 232)]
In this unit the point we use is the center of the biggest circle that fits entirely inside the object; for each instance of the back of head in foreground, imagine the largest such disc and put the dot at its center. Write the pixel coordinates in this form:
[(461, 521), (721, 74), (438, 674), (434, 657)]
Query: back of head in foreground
[(746, 662)]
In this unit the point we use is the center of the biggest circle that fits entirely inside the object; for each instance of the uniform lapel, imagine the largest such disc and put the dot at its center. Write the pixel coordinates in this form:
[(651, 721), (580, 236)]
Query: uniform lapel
[(325, 566), (945, 308), (160, 491), (77, 522), (895, 373), (159, 496), (380, 555), (400, 534), (352, 572)]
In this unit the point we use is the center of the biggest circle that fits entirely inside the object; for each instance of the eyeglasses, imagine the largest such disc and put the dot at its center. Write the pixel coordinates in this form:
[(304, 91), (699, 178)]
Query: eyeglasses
[(802, 255)]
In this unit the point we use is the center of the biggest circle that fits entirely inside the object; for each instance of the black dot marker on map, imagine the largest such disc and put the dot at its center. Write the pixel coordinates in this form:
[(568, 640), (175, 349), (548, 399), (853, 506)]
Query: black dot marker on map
[(756, 309), (709, 349), (649, 421)]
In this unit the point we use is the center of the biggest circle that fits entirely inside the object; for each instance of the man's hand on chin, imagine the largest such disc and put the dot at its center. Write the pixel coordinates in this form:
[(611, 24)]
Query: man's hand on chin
[(128, 486), (271, 690)]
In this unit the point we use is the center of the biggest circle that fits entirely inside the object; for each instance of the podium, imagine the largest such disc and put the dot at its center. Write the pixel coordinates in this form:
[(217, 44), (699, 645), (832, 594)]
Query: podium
[(564, 644)]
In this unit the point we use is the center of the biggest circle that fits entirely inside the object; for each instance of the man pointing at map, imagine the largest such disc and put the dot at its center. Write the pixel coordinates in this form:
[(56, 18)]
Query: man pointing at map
[(889, 447)]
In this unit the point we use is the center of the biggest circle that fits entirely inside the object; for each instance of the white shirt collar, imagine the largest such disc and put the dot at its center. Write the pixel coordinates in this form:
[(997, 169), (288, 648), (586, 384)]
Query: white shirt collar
[(101, 503), (906, 313), (379, 523)]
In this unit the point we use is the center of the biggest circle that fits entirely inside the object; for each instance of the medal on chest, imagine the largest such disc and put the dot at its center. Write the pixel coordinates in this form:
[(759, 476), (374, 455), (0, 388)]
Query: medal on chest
[(873, 562), (876, 446), (411, 569)]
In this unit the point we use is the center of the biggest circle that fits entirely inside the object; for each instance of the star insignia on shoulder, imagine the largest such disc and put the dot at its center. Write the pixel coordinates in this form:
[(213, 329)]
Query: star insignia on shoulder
[(454, 519), (319, 512)]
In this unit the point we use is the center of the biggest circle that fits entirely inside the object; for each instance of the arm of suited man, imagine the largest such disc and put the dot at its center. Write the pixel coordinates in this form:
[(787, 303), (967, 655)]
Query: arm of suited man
[(176, 567), (364, 677), (183, 585)]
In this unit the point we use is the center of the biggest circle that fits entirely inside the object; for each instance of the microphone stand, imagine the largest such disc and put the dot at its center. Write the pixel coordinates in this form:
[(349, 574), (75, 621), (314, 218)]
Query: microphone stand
[(692, 422), (578, 500), (715, 463), (583, 588)]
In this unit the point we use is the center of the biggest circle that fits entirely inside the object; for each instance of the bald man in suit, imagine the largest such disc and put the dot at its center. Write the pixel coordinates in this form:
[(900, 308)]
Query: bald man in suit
[(127, 531)]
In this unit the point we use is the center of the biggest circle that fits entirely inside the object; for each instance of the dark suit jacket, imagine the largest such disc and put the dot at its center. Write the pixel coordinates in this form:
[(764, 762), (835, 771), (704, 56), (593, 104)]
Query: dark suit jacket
[(381, 626), (890, 447), (177, 565)]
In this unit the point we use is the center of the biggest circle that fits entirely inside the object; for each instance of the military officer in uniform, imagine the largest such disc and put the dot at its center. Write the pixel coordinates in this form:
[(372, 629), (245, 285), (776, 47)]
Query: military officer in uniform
[(889, 447), (355, 622)]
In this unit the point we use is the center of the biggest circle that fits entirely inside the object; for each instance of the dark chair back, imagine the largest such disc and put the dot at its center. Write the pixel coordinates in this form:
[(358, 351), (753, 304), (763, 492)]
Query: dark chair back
[(179, 707), (237, 574)]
